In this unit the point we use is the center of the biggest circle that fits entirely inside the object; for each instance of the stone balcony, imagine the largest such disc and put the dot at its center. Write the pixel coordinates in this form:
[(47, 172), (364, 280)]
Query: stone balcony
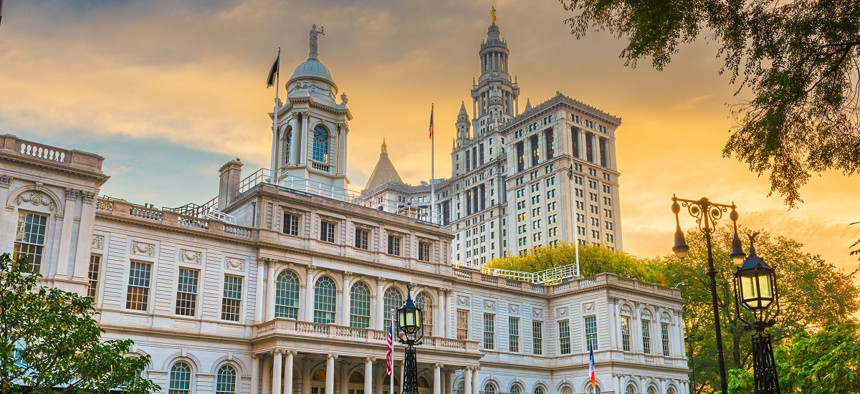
[(14, 148)]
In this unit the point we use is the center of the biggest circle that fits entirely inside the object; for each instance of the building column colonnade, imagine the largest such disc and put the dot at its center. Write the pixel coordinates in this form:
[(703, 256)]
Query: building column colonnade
[(329, 373), (288, 372), (437, 378), (368, 375), (467, 379), (277, 368)]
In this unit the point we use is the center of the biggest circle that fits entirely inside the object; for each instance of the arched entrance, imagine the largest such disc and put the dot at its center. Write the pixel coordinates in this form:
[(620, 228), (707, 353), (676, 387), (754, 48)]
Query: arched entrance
[(356, 383), (318, 381), (424, 386), (386, 384)]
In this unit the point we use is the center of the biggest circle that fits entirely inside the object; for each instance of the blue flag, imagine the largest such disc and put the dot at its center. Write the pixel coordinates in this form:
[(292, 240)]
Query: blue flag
[(271, 79)]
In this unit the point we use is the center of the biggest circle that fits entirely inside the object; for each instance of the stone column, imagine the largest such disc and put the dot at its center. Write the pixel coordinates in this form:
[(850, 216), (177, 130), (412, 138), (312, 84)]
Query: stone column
[(475, 389), (345, 131), (288, 373), (270, 292), (437, 379), (438, 314), (381, 313), (267, 376), (85, 236), (277, 369), (467, 381), (368, 375), (294, 140), (66, 234), (258, 308), (255, 374), (329, 374), (303, 144), (450, 381), (308, 310), (345, 300)]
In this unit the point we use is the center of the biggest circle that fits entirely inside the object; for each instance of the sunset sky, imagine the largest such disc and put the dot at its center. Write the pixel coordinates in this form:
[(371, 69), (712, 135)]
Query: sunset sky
[(169, 91)]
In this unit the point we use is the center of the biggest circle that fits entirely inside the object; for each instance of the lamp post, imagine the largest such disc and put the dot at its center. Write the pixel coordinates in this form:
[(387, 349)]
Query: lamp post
[(409, 325), (755, 286), (690, 340), (707, 214)]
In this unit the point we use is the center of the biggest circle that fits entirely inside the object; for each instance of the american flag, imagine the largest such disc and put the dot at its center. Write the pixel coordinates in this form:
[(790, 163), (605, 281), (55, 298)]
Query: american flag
[(389, 353), (431, 120)]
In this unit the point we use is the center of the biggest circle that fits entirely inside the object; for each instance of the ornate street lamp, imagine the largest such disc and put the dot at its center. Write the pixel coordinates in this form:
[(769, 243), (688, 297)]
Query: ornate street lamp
[(707, 214), (755, 286), (410, 324)]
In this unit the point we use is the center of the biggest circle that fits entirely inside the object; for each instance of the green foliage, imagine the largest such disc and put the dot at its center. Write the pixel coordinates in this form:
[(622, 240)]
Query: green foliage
[(813, 293), (799, 59), (51, 342), (827, 361)]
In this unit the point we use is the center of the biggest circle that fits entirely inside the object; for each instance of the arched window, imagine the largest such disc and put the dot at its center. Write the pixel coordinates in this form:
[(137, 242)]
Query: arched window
[(287, 295), (459, 389), (320, 152), (652, 390), (393, 300), (540, 390), (359, 306), (566, 390), (593, 390), (180, 378), (225, 381), (671, 390), (325, 298), (630, 389), (490, 389), (516, 389), (285, 145), (425, 301)]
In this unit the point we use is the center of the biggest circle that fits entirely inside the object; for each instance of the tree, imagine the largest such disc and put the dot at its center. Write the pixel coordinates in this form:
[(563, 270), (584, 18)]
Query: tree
[(50, 341), (826, 361), (800, 59)]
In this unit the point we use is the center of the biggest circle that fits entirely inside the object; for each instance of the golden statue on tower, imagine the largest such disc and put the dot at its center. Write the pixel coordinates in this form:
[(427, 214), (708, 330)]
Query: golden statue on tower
[(493, 14)]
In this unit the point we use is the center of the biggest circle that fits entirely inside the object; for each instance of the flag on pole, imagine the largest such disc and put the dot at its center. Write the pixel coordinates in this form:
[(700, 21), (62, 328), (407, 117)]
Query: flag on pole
[(591, 373), (274, 71), (431, 121), (389, 352)]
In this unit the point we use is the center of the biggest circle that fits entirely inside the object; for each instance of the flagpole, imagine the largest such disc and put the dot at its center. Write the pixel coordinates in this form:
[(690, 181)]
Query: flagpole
[(432, 169), (274, 162), (391, 377)]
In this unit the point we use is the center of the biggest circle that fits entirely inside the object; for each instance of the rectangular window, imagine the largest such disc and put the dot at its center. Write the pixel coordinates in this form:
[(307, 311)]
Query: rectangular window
[(394, 244), (291, 224), (93, 274), (591, 331), (664, 335), (361, 236), (423, 251), (564, 336), (186, 292), (231, 303), (514, 334), (138, 286), (462, 324), (30, 239), (327, 231), (549, 139), (646, 336), (625, 333), (574, 136), (489, 331), (535, 153), (521, 161), (604, 155), (537, 337), (589, 147)]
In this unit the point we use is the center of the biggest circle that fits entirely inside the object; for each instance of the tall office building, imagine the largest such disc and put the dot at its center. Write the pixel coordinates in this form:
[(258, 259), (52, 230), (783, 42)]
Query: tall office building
[(519, 180)]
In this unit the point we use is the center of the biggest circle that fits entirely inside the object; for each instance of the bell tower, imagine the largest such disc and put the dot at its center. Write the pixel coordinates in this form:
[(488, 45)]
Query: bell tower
[(313, 128), (495, 95)]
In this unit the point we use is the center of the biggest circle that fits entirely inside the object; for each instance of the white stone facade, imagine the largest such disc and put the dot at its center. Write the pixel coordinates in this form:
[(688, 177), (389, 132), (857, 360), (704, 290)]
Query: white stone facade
[(266, 328)]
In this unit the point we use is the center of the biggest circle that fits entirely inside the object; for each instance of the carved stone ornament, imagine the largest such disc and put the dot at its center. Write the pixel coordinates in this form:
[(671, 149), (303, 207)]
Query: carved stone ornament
[(561, 311), (190, 256), (514, 308), (98, 242), (665, 317), (489, 304), (588, 307), (5, 181), (143, 249), (626, 309), (462, 300), (235, 263), (88, 197), (36, 199), (537, 312), (72, 194)]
